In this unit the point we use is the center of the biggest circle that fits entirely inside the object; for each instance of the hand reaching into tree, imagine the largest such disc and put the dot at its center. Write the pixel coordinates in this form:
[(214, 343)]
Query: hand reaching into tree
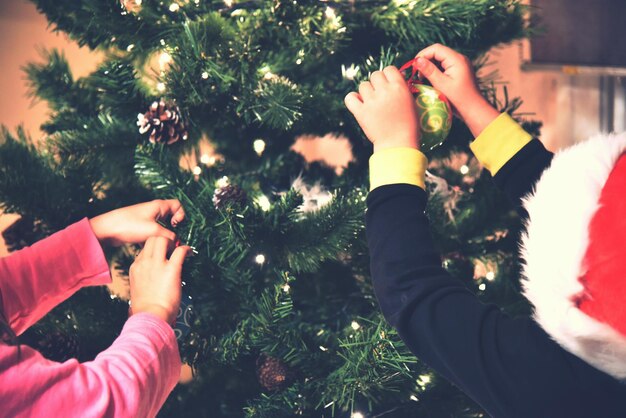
[(458, 84), (155, 284), (385, 110), (135, 224)]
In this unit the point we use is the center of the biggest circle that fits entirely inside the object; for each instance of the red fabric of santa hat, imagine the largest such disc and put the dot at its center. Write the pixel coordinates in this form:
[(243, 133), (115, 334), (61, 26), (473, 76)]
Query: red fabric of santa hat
[(574, 251)]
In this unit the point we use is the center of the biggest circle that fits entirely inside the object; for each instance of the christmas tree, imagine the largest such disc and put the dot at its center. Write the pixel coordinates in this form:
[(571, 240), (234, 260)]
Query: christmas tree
[(284, 320)]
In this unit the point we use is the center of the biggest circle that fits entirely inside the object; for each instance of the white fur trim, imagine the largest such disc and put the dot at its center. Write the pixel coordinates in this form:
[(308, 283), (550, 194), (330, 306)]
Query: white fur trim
[(554, 245)]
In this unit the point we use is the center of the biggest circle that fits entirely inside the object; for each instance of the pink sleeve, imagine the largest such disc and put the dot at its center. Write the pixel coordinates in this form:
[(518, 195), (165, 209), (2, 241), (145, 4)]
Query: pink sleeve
[(132, 378), (37, 278)]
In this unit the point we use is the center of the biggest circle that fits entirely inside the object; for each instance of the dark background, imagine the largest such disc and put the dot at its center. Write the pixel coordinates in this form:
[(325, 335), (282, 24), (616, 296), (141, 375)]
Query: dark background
[(580, 32)]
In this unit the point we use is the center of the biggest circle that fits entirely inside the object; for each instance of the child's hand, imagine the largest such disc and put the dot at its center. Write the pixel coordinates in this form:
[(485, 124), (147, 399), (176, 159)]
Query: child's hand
[(385, 109), (458, 84), (155, 284), (135, 224)]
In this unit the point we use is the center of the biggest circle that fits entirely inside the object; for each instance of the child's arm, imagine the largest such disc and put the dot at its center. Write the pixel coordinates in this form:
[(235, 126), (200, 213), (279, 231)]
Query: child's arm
[(512, 156), (509, 366), (132, 378), (37, 278)]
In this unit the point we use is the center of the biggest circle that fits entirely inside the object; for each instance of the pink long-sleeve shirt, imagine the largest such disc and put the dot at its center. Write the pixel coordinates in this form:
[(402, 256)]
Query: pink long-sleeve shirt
[(132, 378)]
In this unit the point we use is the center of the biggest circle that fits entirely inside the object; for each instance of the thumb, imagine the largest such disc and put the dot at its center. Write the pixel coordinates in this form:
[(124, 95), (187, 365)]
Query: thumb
[(429, 70)]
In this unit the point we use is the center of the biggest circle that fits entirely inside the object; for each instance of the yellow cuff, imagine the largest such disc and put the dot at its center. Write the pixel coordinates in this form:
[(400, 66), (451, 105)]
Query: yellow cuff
[(499, 142), (397, 165)]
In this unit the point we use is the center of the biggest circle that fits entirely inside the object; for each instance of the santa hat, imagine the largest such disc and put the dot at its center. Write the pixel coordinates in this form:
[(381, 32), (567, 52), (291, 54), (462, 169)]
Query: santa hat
[(574, 251)]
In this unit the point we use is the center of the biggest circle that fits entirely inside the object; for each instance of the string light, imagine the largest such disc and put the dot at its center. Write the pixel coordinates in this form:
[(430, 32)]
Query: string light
[(259, 259), (490, 276), (323, 348), (197, 170), (464, 169), (357, 415), (174, 7), (160, 86), (330, 13), (223, 182), (350, 72), (205, 75), (228, 3), (259, 146), (286, 288), (130, 47), (138, 2), (414, 398), (264, 203), (164, 59), (355, 325), (482, 286), (423, 380)]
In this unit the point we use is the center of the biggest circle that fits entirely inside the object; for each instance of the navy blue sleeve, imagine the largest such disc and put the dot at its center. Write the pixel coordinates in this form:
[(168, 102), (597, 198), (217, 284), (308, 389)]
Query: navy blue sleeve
[(508, 366), (519, 175)]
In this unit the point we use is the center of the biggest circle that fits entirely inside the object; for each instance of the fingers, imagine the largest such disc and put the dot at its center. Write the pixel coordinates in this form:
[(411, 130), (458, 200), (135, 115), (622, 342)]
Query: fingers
[(178, 256), (354, 102), (164, 232), (148, 247), (160, 247), (432, 73), (171, 207), (447, 57), (378, 79), (366, 90), (394, 75)]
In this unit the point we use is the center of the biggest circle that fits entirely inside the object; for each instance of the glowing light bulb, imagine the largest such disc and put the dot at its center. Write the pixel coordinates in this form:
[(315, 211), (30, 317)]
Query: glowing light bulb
[(223, 182), (130, 47), (490, 276), (259, 259), (197, 170), (464, 169), (264, 203), (160, 86), (357, 415), (482, 286), (164, 59), (355, 325), (174, 7), (350, 72), (286, 288), (259, 146), (205, 75)]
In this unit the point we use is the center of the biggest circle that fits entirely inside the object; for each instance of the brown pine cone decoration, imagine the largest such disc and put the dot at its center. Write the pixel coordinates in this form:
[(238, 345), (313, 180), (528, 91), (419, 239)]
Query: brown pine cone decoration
[(22, 233), (58, 346), (228, 195), (273, 373), (163, 122)]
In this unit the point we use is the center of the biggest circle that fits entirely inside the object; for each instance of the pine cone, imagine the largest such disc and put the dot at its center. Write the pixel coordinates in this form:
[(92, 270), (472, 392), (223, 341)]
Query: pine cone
[(22, 233), (163, 122), (273, 373), (58, 346), (229, 195)]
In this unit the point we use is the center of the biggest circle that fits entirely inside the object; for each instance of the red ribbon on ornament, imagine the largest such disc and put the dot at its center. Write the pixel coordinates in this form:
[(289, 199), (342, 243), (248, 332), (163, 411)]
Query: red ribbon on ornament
[(410, 82)]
